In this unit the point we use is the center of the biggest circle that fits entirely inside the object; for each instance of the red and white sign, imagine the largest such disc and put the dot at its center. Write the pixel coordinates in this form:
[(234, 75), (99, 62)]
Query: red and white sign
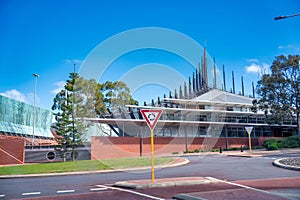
[(151, 116), (249, 129)]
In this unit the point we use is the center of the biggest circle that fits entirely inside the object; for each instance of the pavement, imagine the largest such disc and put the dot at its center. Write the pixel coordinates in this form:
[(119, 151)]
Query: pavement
[(187, 181)]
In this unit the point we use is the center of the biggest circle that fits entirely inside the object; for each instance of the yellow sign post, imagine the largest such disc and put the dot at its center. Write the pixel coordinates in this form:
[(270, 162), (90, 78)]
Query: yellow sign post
[(151, 116), (152, 155), (249, 130)]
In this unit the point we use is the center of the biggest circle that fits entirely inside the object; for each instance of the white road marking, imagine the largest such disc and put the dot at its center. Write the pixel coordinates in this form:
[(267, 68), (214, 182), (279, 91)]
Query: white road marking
[(64, 191), (244, 186), (270, 158), (2, 195), (31, 193), (97, 189), (130, 191)]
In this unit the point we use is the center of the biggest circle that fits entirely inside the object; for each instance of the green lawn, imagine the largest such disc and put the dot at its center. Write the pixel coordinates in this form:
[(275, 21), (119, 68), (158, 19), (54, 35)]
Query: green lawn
[(82, 165)]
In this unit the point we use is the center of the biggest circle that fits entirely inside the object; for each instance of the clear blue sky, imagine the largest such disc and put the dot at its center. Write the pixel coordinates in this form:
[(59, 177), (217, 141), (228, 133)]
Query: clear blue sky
[(47, 37)]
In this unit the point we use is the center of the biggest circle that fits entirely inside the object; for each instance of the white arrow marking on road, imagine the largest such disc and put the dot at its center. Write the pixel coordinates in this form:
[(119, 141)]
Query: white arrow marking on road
[(64, 191), (2, 195), (31, 193)]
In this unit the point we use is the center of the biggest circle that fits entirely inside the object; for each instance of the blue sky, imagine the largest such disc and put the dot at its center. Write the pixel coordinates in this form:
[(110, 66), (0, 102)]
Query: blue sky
[(47, 37)]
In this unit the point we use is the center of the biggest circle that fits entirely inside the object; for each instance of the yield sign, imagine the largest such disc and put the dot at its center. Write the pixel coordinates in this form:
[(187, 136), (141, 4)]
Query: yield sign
[(151, 116), (249, 129)]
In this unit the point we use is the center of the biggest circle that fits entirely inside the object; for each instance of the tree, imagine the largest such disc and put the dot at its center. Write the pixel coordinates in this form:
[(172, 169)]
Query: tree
[(69, 107), (80, 99), (116, 96), (279, 91)]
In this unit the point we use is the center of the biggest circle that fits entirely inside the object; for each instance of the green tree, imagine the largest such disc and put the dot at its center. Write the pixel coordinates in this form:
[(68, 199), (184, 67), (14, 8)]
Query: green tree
[(67, 104), (116, 96), (83, 98), (279, 91)]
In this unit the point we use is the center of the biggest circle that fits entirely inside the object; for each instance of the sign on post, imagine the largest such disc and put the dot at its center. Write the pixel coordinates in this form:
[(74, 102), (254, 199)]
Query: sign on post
[(249, 130), (151, 116)]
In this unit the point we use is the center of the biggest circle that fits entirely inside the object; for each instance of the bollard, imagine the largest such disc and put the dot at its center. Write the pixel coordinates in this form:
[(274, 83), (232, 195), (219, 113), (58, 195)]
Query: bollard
[(220, 150)]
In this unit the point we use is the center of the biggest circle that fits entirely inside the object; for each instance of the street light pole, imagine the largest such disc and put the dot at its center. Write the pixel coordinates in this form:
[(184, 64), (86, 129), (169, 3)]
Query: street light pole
[(286, 16), (34, 108)]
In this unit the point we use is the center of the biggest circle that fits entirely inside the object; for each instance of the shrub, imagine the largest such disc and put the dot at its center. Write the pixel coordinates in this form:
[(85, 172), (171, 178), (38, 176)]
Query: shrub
[(257, 147), (272, 146), (196, 151), (275, 143), (270, 141), (290, 142)]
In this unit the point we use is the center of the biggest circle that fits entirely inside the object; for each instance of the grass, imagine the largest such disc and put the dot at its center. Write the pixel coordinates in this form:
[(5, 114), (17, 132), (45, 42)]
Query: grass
[(82, 165)]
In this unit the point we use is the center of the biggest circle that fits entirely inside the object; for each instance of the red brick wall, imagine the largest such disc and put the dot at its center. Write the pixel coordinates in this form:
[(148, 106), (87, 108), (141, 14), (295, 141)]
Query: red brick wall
[(12, 150), (116, 147)]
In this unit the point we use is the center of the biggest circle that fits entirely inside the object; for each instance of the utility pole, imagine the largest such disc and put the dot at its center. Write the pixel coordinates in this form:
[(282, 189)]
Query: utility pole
[(34, 109)]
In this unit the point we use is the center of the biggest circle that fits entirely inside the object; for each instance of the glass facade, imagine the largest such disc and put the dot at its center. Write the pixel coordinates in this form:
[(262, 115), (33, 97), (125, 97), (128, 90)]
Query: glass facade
[(16, 118)]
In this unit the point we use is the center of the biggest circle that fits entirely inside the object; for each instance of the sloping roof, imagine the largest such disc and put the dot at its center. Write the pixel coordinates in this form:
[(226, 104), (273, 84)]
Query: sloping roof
[(222, 96), (217, 98)]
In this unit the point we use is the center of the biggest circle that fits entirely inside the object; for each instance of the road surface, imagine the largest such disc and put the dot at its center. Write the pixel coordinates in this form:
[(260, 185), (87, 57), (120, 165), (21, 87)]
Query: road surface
[(97, 186)]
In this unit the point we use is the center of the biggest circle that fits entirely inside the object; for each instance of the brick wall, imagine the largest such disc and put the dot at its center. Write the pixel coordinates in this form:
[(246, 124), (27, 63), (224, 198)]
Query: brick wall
[(116, 147), (12, 150)]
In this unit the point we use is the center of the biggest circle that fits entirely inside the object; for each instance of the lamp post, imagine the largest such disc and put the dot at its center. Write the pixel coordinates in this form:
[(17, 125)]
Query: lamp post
[(34, 108), (286, 16)]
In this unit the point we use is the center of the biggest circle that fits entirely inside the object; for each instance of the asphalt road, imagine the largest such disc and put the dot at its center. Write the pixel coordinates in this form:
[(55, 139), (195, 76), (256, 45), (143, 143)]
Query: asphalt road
[(89, 186)]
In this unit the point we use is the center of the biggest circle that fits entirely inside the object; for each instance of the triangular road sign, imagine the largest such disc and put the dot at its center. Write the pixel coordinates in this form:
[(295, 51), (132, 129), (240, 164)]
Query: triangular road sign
[(249, 129), (151, 116)]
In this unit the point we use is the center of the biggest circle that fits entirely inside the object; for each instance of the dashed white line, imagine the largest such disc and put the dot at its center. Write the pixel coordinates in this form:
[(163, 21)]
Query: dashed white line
[(2, 195), (64, 191), (130, 191), (98, 189), (30, 193)]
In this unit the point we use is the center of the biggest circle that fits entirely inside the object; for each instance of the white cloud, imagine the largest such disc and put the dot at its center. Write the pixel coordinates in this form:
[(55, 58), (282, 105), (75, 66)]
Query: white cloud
[(289, 47), (15, 94), (257, 68), (266, 68), (253, 68), (73, 61), (252, 60), (59, 86)]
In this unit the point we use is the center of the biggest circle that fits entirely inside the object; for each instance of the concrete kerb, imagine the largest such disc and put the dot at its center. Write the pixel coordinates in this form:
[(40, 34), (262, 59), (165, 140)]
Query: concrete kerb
[(178, 162), (262, 153), (278, 164), (166, 182), (187, 197)]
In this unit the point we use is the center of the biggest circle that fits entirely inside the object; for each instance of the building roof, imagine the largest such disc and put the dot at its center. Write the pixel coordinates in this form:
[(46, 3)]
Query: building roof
[(216, 98)]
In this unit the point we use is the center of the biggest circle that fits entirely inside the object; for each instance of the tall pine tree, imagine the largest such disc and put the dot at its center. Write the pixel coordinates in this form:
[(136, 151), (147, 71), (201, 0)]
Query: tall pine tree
[(68, 104)]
